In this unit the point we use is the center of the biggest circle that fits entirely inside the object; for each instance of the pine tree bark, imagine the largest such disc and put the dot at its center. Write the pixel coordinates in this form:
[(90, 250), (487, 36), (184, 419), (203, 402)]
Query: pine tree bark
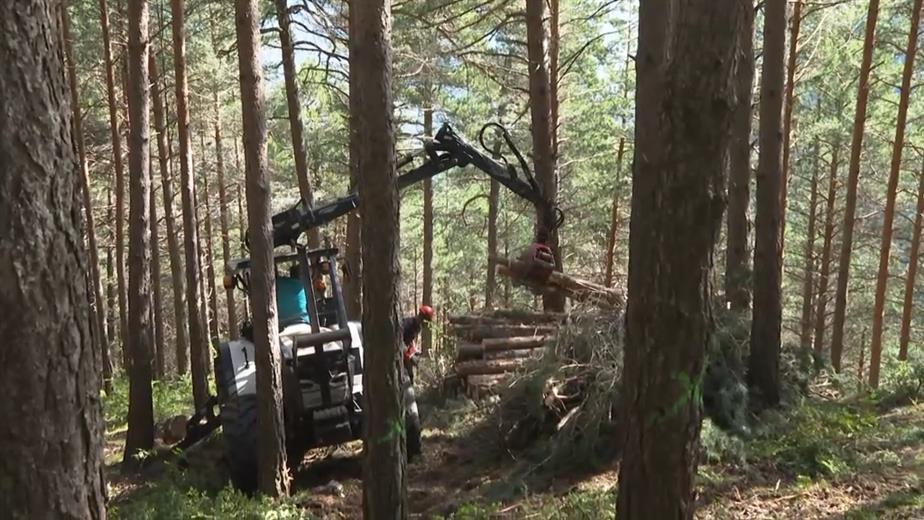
[(98, 311), (157, 299), (110, 273), (215, 322), (273, 477), (427, 298), (140, 434), (224, 215), (808, 278), (241, 229), (885, 249), (853, 178), (52, 422), (197, 341), (788, 116), (205, 305), (821, 308), (610, 259), (685, 66), (764, 359), (737, 269), (353, 268), (490, 285), (910, 278), (384, 492), (543, 130)]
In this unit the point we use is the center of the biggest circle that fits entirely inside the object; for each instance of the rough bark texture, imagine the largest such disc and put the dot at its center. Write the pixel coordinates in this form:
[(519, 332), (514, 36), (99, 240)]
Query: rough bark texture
[(685, 65), (788, 116), (885, 250), (913, 259), (808, 276), (352, 280), (737, 268), (853, 178), (98, 311), (197, 341), (821, 308), (140, 434), (181, 346), (427, 298), (296, 127), (52, 425), (384, 460), (225, 218), (764, 359), (610, 259), (273, 477), (545, 161)]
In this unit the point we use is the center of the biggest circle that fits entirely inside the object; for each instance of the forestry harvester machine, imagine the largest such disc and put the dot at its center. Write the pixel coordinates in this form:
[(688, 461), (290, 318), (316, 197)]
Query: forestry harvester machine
[(323, 358)]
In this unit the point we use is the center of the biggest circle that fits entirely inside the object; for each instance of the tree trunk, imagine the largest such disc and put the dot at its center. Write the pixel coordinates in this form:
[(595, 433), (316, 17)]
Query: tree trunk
[(157, 300), (808, 279), (52, 422), (110, 275), (490, 285), (296, 127), (821, 308), (788, 117), (384, 489), (875, 351), (215, 322), (241, 229), (427, 299), (685, 65), (737, 272), (273, 477), (910, 278), (543, 131), (614, 218), (98, 312), (764, 358), (352, 280), (233, 326), (118, 172), (853, 178), (140, 434), (197, 341), (173, 247), (204, 305)]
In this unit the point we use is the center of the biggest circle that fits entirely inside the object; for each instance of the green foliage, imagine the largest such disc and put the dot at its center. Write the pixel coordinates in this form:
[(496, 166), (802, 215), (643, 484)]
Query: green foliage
[(580, 504), (171, 397), (902, 382)]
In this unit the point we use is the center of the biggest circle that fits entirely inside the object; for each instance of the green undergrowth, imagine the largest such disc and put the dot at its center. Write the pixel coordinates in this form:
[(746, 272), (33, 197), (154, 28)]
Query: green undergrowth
[(580, 504), (171, 397)]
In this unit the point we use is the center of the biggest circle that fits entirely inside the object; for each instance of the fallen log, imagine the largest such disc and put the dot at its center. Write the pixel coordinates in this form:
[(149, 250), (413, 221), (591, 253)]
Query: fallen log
[(526, 316), (480, 332), (478, 320), (533, 353), (515, 343), (571, 286), (483, 367)]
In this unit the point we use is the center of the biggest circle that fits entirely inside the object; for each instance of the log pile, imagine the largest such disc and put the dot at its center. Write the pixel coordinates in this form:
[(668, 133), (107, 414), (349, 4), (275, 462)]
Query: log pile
[(491, 346)]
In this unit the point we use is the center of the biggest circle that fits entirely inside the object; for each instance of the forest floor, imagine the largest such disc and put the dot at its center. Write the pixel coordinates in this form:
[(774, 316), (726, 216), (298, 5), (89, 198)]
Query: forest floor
[(823, 457)]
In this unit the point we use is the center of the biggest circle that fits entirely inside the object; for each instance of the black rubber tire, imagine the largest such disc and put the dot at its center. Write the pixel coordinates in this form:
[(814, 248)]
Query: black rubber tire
[(413, 442), (239, 427)]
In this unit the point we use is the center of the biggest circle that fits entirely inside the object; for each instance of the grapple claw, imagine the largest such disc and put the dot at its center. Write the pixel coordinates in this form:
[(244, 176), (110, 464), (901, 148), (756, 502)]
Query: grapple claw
[(538, 264)]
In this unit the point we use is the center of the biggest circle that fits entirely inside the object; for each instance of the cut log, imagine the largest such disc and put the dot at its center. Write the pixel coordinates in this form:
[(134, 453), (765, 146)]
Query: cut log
[(480, 332), (528, 353), (482, 367), (573, 287), (526, 316), (478, 320), (495, 344)]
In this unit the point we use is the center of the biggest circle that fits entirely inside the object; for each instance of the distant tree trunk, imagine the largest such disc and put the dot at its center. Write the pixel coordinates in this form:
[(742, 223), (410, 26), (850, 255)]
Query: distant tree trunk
[(913, 259), (233, 326), (353, 281), (296, 127), (788, 116), (821, 309), (384, 492), (427, 298), (98, 312), (882, 280), (110, 275), (197, 341), (52, 422), (685, 66), (808, 281), (157, 299), (614, 218), (140, 434), (215, 323), (543, 130), (173, 247), (118, 172), (737, 272), (764, 359), (554, 44), (490, 285), (205, 305), (850, 207), (241, 229), (273, 477)]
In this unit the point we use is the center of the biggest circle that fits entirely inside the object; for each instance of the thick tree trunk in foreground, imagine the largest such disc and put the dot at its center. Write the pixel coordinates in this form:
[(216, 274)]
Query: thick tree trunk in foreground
[(140, 434), (173, 247), (885, 249), (614, 218), (685, 66), (233, 326), (384, 494), (764, 358), (913, 259), (853, 178), (808, 277), (821, 309), (737, 272), (540, 104), (98, 311), (52, 423), (273, 477), (427, 299), (788, 117), (198, 347)]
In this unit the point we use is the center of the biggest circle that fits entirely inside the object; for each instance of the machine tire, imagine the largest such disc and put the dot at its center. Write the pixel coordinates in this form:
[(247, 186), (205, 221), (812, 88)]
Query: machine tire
[(413, 442), (239, 426)]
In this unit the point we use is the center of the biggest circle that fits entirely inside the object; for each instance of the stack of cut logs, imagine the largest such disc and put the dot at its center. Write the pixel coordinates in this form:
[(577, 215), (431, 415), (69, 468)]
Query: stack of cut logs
[(490, 346)]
